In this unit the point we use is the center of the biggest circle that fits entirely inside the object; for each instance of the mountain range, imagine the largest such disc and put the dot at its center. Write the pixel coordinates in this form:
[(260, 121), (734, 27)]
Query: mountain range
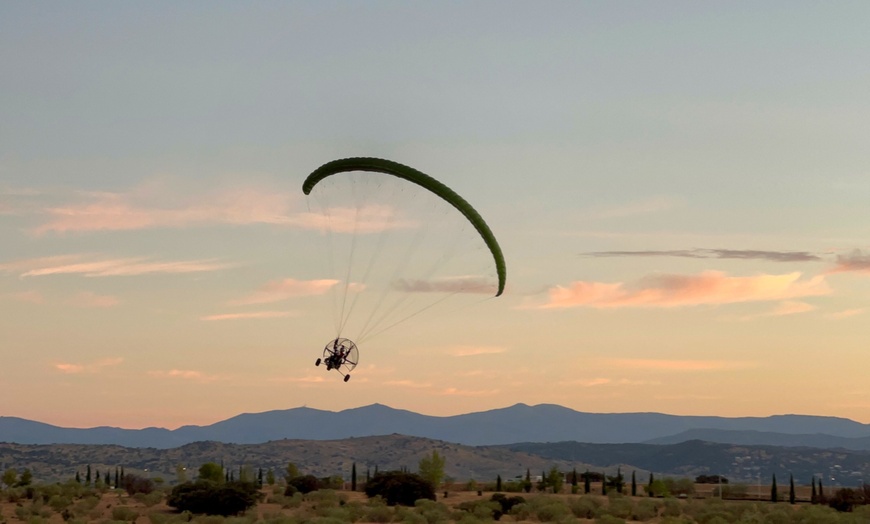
[(517, 423)]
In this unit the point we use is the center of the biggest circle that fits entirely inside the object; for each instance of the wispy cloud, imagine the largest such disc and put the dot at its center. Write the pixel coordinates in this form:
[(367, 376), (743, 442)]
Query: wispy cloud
[(455, 392), (709, 287), (31, 297), (277, 290), (742, 254), (408, 384), (601, 381), (447, 285), (95, 266), (185, 374), (89, 299), (91, 367), (252, 315), (785, 308), (468, 351), (856, 261), (154, 204), (846, 313), (676, 365)]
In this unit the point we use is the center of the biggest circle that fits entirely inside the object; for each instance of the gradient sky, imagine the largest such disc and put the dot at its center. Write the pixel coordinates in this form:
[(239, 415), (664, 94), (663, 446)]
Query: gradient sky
[(681, 191)]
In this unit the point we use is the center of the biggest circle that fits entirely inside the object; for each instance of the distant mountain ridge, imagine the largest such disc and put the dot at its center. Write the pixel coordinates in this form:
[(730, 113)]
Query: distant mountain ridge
[(517, 423)]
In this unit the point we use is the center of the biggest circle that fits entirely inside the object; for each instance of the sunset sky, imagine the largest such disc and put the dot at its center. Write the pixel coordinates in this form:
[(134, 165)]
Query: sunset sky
[(681, 191)]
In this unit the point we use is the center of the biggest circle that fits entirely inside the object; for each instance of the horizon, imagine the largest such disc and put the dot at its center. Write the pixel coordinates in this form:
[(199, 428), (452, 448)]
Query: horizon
[(106, 425), (679, 190)]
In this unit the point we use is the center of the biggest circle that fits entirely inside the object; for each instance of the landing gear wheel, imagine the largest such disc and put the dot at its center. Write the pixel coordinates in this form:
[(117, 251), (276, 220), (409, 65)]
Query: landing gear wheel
[(346, 378), (317, 363)]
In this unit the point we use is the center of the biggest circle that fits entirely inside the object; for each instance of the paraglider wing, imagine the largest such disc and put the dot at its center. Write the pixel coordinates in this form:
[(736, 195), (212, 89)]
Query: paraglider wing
[(423, 180)]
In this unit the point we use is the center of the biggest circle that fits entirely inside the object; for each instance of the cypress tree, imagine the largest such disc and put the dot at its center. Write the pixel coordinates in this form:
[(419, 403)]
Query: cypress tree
[(773, 494), (790, 488), (604, 484), (586, 487), (260, 476), (633, 485), (368, 473), (813, 497), (543, 480), (821, 492), (649, 486), (78, 477), (574, 478), (88, 476), (498, 483), (122, 474), (107, 478), (527, 485), (353, 477), (117, 480)]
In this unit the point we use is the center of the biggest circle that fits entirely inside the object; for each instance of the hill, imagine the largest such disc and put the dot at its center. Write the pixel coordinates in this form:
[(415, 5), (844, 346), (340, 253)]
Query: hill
[(518, 423)]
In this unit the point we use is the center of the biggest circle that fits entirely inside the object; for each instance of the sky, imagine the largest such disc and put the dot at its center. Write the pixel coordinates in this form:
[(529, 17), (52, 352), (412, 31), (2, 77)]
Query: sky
[(680, 190)]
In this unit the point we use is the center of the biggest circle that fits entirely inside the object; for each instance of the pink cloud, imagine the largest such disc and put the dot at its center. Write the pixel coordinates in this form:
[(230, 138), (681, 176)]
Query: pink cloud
[(856, 261), (468, 351), (676, 365), (185, 374), (278, 290), (89, 299), (447, 285), (93, 367), (366, 219), (32, 297), (255, 314), (151, 208), (92, 266), (709, 287), (408, 384), (845, 313), (454, 392)]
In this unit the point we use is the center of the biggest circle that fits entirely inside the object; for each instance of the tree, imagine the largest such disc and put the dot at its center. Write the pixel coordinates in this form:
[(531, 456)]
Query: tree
[(586, 481), (431, 469), (211, 471), (396, 487), (10, 477), (303, 484), (555, 479), (633, 485), (135, 484), (498, 483), (574, 479), (117, 479), (649, 487), (353, 477), (813, 497), (270, 477), (78, 478), (790, 488), (180, 474), (604, 485), (88, 476), (260, 476), (616, 481), (527, 484), (774, 497), (291, 471), (206, 496), (26, 478), (821, 492)]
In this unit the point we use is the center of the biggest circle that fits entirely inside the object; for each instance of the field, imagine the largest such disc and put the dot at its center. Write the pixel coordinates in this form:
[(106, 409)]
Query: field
[(51, 505)]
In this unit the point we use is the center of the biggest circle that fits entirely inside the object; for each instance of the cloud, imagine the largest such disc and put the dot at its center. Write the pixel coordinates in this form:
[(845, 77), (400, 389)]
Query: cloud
[(742, 254), (845, 313), (454, 392), (277, 290), (92, 266), (150, 206), (601, 381), (185, 374), (676, 365), (447, 285), (709, 287), (856, 261), (31, 297), (468, 351), (155, 205), (785, 308), (89, 299), (408, 384), (92, 367), (255, 314)]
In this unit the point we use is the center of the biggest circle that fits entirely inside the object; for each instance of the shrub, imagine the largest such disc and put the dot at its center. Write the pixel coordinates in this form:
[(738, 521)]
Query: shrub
[(609, 519), (401, 488), (846, 499), (205, 496), (553, 512), (133, 484), (585, 507), (124, 513), (303, 484), (646, 509)]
